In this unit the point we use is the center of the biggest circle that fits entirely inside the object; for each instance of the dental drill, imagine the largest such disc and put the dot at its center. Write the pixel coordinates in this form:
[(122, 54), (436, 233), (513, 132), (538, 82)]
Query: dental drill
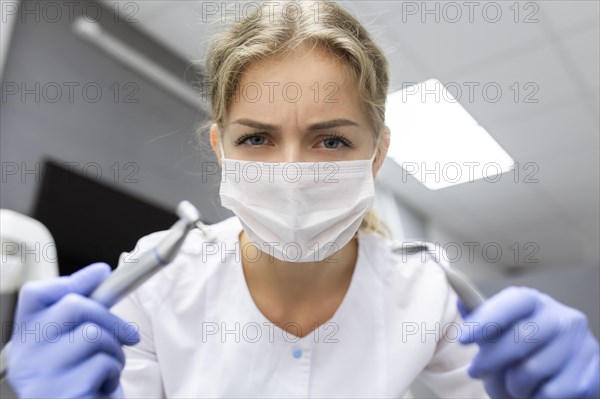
[(126, 279)]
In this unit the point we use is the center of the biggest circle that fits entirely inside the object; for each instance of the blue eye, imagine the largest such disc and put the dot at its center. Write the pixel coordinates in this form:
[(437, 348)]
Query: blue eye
[(251, 139), (332, 143), (256, 140), (335, 142)]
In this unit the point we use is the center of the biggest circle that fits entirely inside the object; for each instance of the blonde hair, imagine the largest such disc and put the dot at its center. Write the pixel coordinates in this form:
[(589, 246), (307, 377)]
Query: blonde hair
[(262, 34)]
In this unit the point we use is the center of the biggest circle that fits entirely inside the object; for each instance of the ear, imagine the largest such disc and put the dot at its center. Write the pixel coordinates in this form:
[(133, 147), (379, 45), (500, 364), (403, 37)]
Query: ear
[(382, 149), (214, 140)]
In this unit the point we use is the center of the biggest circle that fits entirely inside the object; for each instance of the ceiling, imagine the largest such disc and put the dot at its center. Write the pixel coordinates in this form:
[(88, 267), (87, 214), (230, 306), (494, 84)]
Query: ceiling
[(550, 53)]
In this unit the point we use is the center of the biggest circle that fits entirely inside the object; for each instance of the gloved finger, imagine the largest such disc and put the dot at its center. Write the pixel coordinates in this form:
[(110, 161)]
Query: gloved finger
[(111, 379), (524, 378), (79, 344), (67, 350), (97, 376), (592, 378), (87, 379), (500, 349), (37, 295), (461, 308), (74, 309), (503, 309), (117, 393), (494, 386), (575, 379)]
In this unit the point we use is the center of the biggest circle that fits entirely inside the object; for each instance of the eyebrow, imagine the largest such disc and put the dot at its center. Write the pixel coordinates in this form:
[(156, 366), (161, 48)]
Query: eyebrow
[(314, 127)]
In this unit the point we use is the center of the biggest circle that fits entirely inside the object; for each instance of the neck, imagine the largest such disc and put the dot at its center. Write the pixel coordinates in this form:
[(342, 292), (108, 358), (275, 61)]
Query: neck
[(291, 281)]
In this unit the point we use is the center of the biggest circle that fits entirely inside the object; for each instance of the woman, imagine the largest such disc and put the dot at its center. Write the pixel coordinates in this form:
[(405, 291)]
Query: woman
[(301, 294)]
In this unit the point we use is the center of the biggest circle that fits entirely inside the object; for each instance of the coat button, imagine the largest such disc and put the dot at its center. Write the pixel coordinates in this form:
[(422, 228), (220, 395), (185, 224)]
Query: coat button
[(297, 353)]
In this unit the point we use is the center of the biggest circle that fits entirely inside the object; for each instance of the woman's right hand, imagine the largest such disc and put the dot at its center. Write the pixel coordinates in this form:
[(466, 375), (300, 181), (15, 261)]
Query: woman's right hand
[(65, 344)]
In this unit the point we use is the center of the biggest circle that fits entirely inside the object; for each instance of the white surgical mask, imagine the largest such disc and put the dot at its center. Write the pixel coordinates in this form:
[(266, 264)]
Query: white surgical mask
[(298, 211)]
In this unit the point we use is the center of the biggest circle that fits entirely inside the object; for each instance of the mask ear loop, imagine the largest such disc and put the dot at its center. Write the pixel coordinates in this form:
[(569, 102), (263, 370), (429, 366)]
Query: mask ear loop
[(374, 155), (221, 149), (376, 150)]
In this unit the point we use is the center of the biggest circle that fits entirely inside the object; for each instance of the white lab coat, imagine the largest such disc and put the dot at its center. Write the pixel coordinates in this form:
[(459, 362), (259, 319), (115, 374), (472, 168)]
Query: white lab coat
[(203, 336)]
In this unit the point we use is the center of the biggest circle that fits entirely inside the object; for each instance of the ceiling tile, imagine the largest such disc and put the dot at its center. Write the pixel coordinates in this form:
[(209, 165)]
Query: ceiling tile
[(584, 50), (513, 88), (567, 125), (444, 39), (564, 14)]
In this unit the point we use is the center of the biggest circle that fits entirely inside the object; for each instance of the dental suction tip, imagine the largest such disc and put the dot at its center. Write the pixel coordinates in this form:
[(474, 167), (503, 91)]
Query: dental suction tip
[(188, 212)]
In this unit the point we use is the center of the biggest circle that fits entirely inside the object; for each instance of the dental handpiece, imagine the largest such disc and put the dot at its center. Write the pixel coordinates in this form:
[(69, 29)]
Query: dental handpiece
[(470, 296), (128, 277)]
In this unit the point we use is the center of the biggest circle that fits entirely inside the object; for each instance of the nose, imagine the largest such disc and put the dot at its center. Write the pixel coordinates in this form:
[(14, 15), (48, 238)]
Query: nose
[(290, 152)]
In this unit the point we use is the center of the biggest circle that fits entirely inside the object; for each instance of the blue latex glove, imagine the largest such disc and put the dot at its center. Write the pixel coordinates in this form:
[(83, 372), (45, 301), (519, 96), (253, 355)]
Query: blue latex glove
[(65, 344), (531, 346)]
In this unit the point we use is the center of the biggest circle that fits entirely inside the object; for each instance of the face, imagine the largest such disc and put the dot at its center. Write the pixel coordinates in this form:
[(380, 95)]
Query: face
[(301, 107)]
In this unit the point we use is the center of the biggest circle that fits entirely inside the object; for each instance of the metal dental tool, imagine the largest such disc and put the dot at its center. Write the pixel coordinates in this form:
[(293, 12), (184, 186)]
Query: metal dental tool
[(126, 279), (466, 291)]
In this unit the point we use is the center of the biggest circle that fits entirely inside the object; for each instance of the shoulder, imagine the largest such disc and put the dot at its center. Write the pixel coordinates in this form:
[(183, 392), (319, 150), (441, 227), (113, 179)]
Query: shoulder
[(407, 271), (409, 259)]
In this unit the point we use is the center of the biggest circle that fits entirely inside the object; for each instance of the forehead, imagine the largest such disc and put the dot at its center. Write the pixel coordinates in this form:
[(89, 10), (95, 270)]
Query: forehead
[(310, 81), (302, 63)]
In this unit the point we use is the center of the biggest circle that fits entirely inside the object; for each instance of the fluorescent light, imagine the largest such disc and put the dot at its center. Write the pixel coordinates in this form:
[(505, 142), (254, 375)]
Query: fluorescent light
[(437, 141)]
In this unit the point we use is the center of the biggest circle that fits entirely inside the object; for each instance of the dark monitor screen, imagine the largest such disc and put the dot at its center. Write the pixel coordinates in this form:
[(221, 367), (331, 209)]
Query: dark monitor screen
[(90, 220)]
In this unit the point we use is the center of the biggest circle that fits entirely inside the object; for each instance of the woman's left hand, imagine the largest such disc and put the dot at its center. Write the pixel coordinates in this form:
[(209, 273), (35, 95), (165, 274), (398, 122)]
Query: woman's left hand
[(531, 346)]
